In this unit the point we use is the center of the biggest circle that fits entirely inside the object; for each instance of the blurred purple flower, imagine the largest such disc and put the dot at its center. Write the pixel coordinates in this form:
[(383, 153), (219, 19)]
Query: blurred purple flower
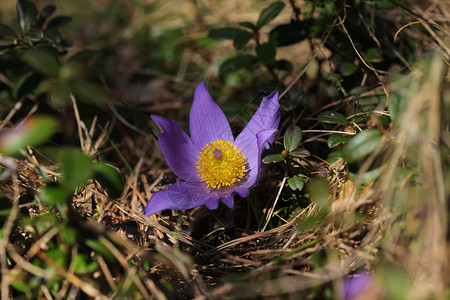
[(356, 287), (212, 164)]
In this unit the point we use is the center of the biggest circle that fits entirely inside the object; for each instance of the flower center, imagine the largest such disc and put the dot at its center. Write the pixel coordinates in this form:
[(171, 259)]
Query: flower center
[(221, 164)]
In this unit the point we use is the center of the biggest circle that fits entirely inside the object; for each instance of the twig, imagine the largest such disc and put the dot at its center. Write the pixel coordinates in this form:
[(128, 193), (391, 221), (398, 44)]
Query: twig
[(270, 212), (5, 239), (328, 131), (305, 68), (77, 117)]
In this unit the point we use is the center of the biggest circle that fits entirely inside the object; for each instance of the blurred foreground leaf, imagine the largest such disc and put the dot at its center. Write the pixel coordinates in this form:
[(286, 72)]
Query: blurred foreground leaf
[(75, 166), (42, 60), (53, 195), (34, 131), (361, 145), (321, 197), (100, 248), (368, 176), (109, 178)]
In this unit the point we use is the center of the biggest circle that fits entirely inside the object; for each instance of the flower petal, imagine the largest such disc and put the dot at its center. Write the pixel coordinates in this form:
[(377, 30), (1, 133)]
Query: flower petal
[(178, 150), (265, 136), (207, 121), (260, 130), (229, 200), (266, 117), (212, 204), (251, 149), (243, 192), (181, 195)]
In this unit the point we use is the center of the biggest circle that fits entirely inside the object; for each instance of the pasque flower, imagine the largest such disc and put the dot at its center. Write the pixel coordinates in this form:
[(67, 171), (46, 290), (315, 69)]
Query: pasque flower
[(212, 164), (360, 286)]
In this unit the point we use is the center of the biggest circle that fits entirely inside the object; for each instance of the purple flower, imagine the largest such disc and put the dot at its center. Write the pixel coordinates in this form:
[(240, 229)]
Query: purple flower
[(212, 164), (357, 287)]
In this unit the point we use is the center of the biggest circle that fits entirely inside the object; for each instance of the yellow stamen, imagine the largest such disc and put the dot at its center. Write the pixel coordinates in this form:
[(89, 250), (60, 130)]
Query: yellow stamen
[(221, 164)]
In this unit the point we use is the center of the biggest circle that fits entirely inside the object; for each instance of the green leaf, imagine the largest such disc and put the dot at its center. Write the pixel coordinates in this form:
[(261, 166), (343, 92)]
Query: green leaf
[(89, 92), (26, 12), (52, 195), (42, 60), (332, 117), (5, 213), (300, 152), (47, 12), (25, 84), (69, 235), (100, 248), (59, 21), (368, 176), (34, 34), (53, 35), (75, 166), (34, 131), (273, 158), (227, 33), (348, 68), (361, 145), (357, 90), (233, 64), (381, 4), (373, 55), (290, 33), (109, 178), (19, 285), (296, 183), (242, 39), (292, 138), (7, 31), (83, 264), (320, 194), (249, 25), (267, 52), (334, 156), (284, 65), (60, 93), (59, 255), (269, 13), (336, 139), (398, 102)]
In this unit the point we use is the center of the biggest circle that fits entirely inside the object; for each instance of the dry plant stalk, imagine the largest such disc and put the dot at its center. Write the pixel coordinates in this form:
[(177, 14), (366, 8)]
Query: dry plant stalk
[(418, 134)]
